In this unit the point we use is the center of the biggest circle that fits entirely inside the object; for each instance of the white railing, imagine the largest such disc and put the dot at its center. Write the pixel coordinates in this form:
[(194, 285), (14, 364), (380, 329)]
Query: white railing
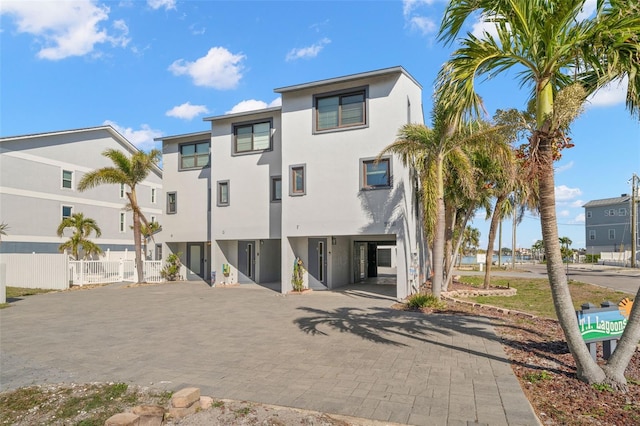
[(83, 272), (152, 270)]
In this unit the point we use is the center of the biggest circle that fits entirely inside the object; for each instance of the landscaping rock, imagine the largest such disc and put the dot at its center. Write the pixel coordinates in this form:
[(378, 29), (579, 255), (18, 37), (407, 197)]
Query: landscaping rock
[(185, 397), (206, 402), (123, 419), (150, 415)]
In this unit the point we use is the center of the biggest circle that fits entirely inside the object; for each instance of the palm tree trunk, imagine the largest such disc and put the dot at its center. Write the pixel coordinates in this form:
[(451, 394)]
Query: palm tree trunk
[(495, 222), (587, 368), (449, 254), (137, 239), (438, 240)]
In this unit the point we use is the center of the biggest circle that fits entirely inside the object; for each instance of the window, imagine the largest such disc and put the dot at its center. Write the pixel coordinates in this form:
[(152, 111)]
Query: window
[(622, 212), (122, 190), (153, 195), (123, 222), (67, 211), (297, 184), (153, 219), (194, 155), (172, 202), (376, 174), (67, 179), (223, 193), (588, 214), (276, 188), (592, 234), (344, 110), (612, 234), (252, 137)]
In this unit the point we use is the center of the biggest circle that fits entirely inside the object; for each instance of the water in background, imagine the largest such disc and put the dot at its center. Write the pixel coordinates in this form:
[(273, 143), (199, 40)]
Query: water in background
[(472, 260)]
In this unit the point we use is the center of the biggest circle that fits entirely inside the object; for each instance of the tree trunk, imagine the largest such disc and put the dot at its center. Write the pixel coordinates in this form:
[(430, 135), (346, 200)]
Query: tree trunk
[(495, 221), (449, 254), (438, 240), (467, 216), (137, 238), (587, 368)]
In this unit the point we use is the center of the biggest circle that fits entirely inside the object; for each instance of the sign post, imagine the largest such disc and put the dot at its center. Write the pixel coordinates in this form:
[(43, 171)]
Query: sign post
[(605, 324)]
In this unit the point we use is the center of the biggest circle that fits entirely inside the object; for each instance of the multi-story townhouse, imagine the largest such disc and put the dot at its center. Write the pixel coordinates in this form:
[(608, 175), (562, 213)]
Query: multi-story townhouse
[(187, 185), (303, 182), (608, 224), (39, 174)]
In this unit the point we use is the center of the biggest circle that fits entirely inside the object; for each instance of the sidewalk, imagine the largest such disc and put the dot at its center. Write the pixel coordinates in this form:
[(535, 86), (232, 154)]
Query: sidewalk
[(336, 352)]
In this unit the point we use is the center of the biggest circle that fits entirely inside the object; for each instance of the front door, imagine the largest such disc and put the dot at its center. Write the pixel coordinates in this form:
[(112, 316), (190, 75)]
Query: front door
[(360, 262), (318, 259), (247, 258), (372, 260), (195, 260)]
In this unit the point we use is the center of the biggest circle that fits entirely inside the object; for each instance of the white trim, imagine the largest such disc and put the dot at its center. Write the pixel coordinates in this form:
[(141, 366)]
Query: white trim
[(67, 199)]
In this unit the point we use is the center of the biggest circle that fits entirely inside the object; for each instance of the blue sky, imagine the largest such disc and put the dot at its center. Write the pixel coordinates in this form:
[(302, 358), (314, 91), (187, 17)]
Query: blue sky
[(155, 68)]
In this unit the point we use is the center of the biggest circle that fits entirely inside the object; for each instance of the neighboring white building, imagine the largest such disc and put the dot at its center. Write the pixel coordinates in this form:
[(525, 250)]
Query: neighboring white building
[(39, 174), (300, 182)]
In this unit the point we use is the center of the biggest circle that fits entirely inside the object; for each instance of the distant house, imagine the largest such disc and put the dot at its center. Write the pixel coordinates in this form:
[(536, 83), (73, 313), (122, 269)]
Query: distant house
[(301, 182), (39, 174), (608, 225)]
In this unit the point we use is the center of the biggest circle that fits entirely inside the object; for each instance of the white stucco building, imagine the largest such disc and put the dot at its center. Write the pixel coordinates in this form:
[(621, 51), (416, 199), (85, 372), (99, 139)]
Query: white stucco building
[(300, 181), (39, 174)]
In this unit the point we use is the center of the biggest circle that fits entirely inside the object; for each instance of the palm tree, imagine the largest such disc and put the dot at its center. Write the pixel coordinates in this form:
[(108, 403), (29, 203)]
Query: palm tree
[(538, 247), (3, 230), (564, 58), (130, 172), (148, 230), (82, 229)]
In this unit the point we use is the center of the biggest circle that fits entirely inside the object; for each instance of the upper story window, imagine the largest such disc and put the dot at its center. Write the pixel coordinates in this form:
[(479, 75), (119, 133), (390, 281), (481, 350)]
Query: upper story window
[(153, 195), (610, 212), (588, 214), (172, 202), (194, 155), (252, 137), (276, 188), (67, 179), (298, 180), (612, 234), (122, 190), (376, 174), (592, 234), (67, 211), (223, 193), (123, 222), (340, 110)]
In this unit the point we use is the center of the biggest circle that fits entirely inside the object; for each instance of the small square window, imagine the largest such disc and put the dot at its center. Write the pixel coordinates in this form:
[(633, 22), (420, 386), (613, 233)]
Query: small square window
[(223, 193), (194, 155), (588, 214), (252, 137), (67, 179), (622, 212), (172, 202), (276, 188), (376, 174), (123, 222), (67, 211), (297, 185)]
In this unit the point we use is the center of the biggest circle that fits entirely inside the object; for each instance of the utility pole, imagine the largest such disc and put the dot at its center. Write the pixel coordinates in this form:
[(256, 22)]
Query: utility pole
[(634, 218)]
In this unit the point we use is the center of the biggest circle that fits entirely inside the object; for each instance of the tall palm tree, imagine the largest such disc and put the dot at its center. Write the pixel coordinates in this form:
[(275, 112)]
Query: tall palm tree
[(130, 172), (148, 230), (564, 58), (82, 229)]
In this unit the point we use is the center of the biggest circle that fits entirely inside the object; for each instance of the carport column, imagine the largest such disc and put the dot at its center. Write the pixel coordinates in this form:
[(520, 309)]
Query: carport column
[(288, 257), (403, 263)]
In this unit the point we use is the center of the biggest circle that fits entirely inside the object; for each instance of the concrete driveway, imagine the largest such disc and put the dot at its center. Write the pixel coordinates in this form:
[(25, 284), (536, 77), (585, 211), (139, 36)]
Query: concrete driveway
[(337, 352)]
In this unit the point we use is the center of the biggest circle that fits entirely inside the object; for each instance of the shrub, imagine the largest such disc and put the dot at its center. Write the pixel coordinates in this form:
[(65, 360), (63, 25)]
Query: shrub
[(297, 278), (423, 300), (171, 271)]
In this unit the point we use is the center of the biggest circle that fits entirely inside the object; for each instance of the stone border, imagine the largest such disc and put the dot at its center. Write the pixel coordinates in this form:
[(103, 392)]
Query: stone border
[(481, 292)]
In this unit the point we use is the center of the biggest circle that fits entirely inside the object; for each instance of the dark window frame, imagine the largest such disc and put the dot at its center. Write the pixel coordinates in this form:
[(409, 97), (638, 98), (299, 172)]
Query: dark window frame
[(172, 207), (341, 94), (293, 190), (364, 184), (274, 198), (195, 155), (219, 201), (252, 123)]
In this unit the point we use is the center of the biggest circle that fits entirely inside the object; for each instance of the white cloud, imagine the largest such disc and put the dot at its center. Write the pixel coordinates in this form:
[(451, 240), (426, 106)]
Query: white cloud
[(482, 25), (577, 204), (67, 28), (157, 4), (564, 213), (422, 24), (612, 94), (219, 69), (409, 6), (143, 139), (186, 111), (252, 104), (307, 52), (588, 8), (564, 167), (579, 218), (564, 193)]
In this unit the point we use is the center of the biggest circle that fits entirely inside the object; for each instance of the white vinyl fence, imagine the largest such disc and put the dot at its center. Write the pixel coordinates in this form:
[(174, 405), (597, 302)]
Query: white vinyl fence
[(57, 272)]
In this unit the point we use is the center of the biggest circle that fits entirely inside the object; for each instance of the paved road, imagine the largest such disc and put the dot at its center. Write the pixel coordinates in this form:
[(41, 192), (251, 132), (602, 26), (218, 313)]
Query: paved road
[(622, 279), (336, 352)]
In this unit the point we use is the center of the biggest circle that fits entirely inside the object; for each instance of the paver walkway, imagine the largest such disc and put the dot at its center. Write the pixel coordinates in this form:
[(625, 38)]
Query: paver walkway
[(336, 352)]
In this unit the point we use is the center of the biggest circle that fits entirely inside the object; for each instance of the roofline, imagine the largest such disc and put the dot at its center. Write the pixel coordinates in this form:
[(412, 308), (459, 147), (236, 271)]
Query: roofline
[(107, 127), (184, 135), (608, 201), (242, 114), (350, 77)]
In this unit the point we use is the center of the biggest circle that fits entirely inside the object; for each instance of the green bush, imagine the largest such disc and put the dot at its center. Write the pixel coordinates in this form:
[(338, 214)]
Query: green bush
[(171, 271), (422, 300)]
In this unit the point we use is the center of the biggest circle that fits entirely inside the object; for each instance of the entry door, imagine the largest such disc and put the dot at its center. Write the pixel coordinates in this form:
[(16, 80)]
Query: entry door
[(372, 260), (247, 258), (318, 259), (360, 262), (195, 259)]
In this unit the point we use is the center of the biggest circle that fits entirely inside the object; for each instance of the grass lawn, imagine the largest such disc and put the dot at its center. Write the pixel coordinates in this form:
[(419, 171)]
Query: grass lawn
[(534, 294), (16, 292)]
